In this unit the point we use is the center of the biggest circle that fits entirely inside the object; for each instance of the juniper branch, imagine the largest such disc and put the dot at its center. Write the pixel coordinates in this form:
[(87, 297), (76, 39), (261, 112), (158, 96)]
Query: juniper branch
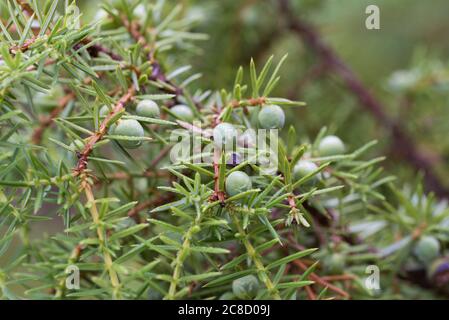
[(101, 238), (183, 253), (403, 142), (97, 136), (254, 256)]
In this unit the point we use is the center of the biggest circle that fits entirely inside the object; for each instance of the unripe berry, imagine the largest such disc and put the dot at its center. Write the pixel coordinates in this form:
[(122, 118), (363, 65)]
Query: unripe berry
[(183, 112), (331, 146), (427, 249), (129, 128), (304, 168), (48, 101), (246, 287), (100, 15), (104, 111), (140, 11), (334, 263), (238, 182), (254, 116), (148, 108), (224, 134), (141, 184), (271, 117)]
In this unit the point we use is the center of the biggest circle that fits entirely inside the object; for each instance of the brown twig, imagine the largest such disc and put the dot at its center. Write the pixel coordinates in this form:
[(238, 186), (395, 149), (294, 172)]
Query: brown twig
[(97, 136), (321, 281), (155, 202), (339, 277), (159, 157), (403, 143), (311, 295), (24, 47), (218, 194), (252, 102), (25, 7), (157, 73), (107, 258)]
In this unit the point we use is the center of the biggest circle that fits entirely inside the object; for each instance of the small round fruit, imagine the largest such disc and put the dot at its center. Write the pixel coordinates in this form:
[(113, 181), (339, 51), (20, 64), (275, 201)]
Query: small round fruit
[(427, 249), (331, 146), (246, 287), (148, 108), (224, 134), (183, 112), (334, 263), (154, 295), (141, 184), (253, 116), (129, 128), (104, 111), (227, 296), (140, 11), (304, 168), (238, 182), (271, 117), (195, 229)]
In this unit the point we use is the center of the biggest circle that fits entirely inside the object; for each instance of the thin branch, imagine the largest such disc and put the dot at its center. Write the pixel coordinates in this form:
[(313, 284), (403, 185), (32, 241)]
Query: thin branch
[(313, 276), (24, 47), (155, 202), (159, 158), (25, 7), (403, 143), (107, 258), (310, 294), (157, 73)]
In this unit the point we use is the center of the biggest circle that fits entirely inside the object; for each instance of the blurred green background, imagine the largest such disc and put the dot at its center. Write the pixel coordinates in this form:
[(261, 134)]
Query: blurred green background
[(403, 64)]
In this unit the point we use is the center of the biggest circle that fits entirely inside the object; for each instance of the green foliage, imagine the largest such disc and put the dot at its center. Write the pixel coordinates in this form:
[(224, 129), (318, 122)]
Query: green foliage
[(87, 114)]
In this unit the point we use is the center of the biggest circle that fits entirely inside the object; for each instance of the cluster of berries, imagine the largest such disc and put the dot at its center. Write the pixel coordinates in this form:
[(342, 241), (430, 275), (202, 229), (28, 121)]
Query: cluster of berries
[(132, 128)]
